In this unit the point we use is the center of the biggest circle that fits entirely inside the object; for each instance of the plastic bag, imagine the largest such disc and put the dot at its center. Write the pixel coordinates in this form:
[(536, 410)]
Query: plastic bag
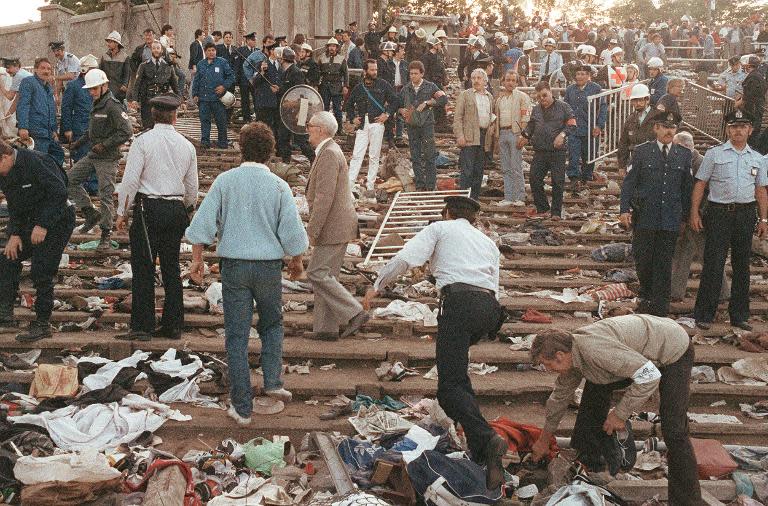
[(262, 455), (90, 466)]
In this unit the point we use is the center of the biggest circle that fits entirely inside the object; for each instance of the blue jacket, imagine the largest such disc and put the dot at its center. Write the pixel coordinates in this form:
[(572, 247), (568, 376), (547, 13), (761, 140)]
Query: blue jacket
[(658, 191), (658, 88), (577, 99), (263, 96), (253, 60), (210, 76), (76, 104), (36, 109)]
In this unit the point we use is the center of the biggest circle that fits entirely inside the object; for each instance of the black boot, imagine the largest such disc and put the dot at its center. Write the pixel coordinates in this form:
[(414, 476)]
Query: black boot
[(92, 218), (105, 244), (38, 329)]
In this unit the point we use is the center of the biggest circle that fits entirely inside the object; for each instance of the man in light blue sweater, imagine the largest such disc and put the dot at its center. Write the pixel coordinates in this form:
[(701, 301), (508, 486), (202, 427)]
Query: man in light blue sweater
[(252, 214)]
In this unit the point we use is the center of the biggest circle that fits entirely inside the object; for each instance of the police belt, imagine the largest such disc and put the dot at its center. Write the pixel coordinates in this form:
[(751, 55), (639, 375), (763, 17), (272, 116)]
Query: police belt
[(463, 287), (158, 89), (142, 196), (731, 207)]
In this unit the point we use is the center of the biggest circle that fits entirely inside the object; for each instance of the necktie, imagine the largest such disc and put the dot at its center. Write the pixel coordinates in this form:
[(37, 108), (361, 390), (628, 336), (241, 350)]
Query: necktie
[(664, 150), (546, 67)]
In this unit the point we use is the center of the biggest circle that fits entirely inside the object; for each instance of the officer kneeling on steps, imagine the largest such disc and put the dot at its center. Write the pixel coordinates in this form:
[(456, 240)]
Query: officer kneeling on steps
[(39, 225), (108, 129), (636, 352), (465, 264)]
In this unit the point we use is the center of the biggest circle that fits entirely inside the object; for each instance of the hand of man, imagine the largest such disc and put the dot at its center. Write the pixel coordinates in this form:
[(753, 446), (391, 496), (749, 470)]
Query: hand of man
[(369, 295), (626, 220), (264, 66), (421, 107), (55, 136), (275, 88), (345, 91), (356, 122), (596, 132), (559, 141), (196, 99), (540, 449), (461, 141), (120, 223), (196, 272), (382, 118), (220, 90), (123, 88), (613, 423), (521, 142), (68, 136), (98, 148), (695, 222), (296, 268), (133, 105), (23, 134), (38, 235), (13, 247), (762, 230)]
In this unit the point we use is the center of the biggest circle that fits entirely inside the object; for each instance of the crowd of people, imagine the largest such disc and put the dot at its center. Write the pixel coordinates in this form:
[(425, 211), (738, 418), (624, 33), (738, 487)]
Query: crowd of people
[(386, 83)]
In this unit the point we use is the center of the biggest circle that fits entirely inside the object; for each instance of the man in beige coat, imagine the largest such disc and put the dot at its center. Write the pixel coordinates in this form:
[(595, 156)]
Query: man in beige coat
[(332, 224), (471, 120)]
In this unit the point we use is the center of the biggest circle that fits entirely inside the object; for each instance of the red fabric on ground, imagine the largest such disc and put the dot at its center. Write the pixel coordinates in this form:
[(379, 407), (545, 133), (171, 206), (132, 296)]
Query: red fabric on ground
[(521, 437)]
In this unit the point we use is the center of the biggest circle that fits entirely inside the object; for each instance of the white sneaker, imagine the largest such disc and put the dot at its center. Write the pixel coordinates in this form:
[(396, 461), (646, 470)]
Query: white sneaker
[(281, 394), (518, 203), (504, 203), (233, 414)]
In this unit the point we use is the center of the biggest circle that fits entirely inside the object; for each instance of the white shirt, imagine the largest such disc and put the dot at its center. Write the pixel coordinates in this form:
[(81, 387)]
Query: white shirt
[(322, 143), (398, 80), (161, 162), (483, 103), (457, 253), (661, 146)]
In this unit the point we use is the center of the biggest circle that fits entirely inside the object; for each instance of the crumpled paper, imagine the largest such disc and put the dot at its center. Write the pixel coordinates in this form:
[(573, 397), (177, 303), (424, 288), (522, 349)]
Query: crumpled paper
[(409, 311), (374, 422)]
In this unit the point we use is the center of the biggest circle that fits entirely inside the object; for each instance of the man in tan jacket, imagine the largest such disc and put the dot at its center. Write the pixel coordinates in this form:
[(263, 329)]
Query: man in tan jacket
[(641, 353), (471, 120), (332, 224)]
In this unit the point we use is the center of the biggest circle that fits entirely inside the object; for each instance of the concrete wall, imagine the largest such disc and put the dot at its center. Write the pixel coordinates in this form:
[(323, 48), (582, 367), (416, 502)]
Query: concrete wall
[(85, 34)]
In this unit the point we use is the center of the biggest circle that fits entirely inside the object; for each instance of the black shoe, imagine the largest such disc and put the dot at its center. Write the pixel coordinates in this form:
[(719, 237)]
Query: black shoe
[(7, 325), (134, 335), (92, 218), (356, 323), (494, 469), (742, 325), (167, 333), (323, 336), (37, 330), (704, 325), (105, 243), (337, 412)]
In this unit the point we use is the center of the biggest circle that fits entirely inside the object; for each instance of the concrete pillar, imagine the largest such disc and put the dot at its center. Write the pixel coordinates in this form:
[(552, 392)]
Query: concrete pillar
[(58, 19)]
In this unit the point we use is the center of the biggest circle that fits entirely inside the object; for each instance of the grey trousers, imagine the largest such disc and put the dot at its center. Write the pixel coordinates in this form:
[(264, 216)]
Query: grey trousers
[(511, 166), (690, 247), (106, 171), (334, 305)]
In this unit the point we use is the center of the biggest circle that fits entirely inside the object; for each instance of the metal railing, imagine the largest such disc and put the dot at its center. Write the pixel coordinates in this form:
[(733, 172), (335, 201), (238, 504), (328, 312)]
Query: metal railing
[(703, 110), (618, 107)]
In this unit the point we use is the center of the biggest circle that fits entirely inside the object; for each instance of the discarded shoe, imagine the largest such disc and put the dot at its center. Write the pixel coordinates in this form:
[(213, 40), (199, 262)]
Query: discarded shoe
[(337, 412), (356, 323), (533, 316)]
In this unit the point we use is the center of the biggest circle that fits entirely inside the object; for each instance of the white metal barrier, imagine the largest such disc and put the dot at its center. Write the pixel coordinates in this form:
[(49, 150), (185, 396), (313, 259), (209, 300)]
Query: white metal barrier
[(703, 110), (618, 108)]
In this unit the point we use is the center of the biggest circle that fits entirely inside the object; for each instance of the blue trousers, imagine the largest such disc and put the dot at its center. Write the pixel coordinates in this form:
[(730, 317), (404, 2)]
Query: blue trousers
[(216, 110), (421, 140), (578, 168), (51, 147), (243, 282), (332, 100)]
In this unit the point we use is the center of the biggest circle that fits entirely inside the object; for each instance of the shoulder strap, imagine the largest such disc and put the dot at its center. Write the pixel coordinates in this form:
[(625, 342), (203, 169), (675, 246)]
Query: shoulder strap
[(370, 97)]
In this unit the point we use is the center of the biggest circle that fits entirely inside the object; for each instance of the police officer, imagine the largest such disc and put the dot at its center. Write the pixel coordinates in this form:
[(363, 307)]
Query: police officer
[(735, 174), (291, 76), (657, 191), (39, 226), (637, 128), (154, 77), (76, 104), (160, 183), (36, 111), (308, 66), (242, 54), (753, 98), (658, 82), (108, 129), (66, 66), (265, 80), (214, 76), (333, 78), (465, 263)]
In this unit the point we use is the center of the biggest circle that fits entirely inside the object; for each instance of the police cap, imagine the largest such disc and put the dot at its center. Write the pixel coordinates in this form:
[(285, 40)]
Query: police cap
[(338, 31), (280, 37), (250, 36), (56, 45), (166, 102), (461, 202), (737, 116), (667, 118), (272, 46), (11, 60)]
